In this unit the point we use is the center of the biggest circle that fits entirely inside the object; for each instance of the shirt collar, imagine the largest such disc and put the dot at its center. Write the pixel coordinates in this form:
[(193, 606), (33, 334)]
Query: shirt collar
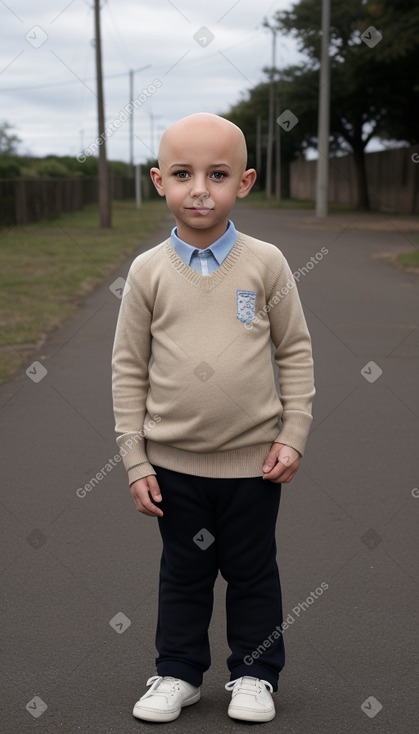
[(220, 248)]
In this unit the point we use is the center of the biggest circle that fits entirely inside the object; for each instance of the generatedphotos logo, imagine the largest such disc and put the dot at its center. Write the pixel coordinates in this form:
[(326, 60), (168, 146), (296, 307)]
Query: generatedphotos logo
[(130, 443), (123, 116), (282, 292), (295, 613)]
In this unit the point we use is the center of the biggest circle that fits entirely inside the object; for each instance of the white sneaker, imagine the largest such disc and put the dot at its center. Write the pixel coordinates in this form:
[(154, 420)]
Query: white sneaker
[(251, 699), (165, 699)]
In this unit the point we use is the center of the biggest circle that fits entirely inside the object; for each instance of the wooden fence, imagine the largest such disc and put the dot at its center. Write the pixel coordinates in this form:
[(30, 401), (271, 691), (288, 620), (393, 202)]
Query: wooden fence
[(393, 180), (25, 200)]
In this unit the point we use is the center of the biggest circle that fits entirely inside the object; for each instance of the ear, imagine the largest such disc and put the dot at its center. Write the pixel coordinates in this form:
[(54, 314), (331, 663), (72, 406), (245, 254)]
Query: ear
[(247, 180), (157, 180)]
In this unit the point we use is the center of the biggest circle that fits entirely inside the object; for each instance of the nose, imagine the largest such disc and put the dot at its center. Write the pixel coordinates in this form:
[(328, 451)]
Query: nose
[(199, 186)]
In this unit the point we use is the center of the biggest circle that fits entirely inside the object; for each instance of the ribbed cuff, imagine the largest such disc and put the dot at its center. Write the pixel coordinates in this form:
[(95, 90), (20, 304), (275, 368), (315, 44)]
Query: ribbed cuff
[(132, 449), (295, 430), (139, 472)]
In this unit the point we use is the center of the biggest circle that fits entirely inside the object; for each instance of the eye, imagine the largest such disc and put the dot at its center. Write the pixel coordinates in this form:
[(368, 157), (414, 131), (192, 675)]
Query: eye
[(181, 175), (218, 175)]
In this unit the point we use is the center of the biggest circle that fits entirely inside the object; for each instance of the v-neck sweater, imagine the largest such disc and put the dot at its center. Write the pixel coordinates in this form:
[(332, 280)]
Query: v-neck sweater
[(192, 373)]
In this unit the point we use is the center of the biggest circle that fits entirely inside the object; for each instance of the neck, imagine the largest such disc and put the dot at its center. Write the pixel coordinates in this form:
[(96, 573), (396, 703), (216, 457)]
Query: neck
[(201, 238)]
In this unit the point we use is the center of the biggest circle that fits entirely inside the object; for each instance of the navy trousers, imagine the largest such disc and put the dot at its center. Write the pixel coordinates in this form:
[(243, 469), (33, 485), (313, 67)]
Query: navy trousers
[(212, 525)]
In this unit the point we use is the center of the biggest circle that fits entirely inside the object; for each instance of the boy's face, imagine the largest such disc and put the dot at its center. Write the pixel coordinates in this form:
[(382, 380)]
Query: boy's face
[(202, 161)]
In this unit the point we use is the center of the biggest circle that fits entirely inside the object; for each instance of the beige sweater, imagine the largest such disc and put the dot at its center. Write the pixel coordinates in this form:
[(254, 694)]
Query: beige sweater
[(193, 383)]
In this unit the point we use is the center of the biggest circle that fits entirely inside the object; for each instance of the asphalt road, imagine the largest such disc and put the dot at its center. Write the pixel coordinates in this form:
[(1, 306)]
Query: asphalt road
[(79, 569)]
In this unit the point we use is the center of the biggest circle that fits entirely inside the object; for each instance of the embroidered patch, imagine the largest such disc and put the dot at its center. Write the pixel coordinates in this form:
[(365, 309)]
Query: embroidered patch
[(246, 306)]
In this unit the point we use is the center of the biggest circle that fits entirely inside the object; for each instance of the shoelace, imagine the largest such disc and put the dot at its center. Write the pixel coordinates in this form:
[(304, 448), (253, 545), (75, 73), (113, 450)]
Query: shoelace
[(161, 686), (246, 686)]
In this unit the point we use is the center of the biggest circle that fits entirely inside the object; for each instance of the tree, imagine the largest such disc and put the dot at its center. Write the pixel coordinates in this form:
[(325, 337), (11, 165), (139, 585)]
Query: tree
[(374, 92), (251, 115), (8, 142), (295, 93)]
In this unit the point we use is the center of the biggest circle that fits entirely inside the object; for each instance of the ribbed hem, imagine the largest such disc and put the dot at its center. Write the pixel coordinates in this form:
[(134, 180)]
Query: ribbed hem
[(235, 464)]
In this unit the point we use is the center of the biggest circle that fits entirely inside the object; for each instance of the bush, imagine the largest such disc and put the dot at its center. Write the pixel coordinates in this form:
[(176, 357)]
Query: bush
[(10, 166), (54, 166)]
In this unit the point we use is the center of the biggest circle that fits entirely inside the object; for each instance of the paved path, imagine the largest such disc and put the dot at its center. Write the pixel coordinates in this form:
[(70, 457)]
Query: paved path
[(71, 564)]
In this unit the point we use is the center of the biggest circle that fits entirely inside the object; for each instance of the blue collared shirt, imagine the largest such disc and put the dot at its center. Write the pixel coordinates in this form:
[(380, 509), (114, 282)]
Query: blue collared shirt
[(208, 260)]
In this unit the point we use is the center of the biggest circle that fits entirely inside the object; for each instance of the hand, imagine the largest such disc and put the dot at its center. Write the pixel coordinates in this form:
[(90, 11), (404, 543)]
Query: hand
[(281, 464), (141, 491)]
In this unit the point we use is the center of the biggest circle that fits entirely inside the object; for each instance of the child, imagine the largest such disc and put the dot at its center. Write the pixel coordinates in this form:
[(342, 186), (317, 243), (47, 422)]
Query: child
[(197, 414)]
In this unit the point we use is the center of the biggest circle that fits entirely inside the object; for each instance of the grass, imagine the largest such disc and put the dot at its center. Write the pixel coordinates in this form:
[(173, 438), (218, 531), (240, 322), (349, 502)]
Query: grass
[(47, 268), (258, 199), (409, 260)]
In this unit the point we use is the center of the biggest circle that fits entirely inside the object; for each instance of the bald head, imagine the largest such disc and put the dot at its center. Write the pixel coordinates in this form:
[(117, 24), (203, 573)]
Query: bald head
[(202, 171), (199, 132)]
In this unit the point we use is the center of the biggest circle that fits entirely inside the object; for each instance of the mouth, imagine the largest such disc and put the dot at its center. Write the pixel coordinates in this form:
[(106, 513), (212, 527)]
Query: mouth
[(200, 210), (203, 204)]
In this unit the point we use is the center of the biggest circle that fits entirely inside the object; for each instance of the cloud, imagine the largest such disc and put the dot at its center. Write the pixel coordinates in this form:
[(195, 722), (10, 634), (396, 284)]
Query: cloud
[(205, 55)]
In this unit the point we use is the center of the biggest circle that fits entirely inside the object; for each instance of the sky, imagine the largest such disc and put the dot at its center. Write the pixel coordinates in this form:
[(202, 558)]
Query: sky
[(188, 56)]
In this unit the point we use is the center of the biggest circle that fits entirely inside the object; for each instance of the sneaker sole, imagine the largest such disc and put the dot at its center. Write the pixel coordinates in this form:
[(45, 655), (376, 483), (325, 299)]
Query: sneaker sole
[(246, 715), (150, 715)]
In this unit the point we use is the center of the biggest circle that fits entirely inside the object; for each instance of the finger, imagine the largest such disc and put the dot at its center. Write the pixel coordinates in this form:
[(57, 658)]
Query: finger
[(287, 455), (154, 489), (281, 473), (148, 508), (287, 480), (288, 475), (144, 503), (271, 459), (155, 512), (278, 474), (281, 479)]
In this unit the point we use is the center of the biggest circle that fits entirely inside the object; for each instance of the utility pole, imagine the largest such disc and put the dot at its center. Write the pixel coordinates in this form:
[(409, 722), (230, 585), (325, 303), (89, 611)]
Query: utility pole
[(322, 187), (131, 118), (131, 124), (270, 142), (105, 213), (138, 197), (277, 155), (153, 117), (258, 144)]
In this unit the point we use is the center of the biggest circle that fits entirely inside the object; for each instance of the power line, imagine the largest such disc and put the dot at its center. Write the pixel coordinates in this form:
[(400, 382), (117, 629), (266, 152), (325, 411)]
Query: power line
[(61, 84), (119, 42), (191, 64)]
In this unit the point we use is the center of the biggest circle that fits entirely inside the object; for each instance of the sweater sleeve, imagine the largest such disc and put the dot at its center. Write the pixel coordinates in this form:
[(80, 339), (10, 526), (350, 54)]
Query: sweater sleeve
[(130, 383), (293, 357)]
